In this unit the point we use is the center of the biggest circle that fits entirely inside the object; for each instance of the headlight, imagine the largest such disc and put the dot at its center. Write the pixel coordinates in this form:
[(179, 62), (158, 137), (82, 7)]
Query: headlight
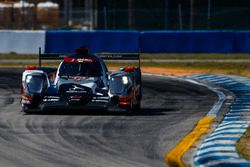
[(29, 77), (125, 80)]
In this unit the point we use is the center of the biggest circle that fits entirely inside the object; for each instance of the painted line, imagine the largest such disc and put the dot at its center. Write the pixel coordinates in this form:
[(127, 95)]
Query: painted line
[(216, 153), (215, 145), (174, 157), (230, 132), (218, 142), (227, 163)]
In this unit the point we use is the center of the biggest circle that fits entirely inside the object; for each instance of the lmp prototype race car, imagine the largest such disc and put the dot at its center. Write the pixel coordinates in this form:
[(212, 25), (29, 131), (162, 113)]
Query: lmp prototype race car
[(81, 82)]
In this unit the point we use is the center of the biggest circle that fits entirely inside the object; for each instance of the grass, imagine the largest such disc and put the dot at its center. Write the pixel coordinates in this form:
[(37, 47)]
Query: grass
[(242, 69), (165, 67), (200, 67), (195, 56), (17, 56), (243, 145)]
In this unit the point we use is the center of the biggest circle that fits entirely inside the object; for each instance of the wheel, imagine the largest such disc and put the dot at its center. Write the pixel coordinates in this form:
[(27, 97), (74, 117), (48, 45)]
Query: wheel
[(138, 106), (30, 111), (26, 111), (135, 106)]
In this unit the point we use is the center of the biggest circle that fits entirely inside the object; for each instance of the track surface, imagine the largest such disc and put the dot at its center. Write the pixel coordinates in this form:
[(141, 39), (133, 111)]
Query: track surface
[(170, 109)]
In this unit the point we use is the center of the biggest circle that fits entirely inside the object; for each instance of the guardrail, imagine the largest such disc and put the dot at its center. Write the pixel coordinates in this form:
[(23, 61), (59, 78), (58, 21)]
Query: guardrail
[(96, 41), (126, 41), (187, 41), (21, 42)]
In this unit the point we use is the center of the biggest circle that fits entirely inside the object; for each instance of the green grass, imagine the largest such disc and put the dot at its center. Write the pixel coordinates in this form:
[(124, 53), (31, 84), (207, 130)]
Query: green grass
[(26, 64), (195, 56), (203, 67), (17, 56), (243, 145), (191, 65), (206, 67)]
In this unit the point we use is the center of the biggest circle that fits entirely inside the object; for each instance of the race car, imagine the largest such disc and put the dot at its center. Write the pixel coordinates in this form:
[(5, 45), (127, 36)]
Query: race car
[(81, 82)]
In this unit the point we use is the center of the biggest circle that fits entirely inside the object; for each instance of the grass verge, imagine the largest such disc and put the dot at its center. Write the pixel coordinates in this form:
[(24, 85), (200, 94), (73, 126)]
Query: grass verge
[(180, 68), (243, 145), (195, 56), (17, 56), (170, 68)]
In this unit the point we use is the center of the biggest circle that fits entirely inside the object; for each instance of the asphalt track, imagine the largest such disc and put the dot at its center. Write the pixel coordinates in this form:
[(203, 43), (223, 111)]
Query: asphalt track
[(170, 109)]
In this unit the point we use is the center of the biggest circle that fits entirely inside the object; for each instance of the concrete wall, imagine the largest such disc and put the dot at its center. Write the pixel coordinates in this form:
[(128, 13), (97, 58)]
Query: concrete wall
[(21, 42)]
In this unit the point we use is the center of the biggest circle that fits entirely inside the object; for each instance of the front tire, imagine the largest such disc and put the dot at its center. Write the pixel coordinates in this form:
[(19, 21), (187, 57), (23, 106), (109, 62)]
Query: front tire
[(26, 111), (135, 107), (138, 106)]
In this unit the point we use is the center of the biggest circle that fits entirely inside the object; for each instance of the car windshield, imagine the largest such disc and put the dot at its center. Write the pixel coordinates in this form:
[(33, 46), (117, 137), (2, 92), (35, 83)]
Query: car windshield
[(80, 69), (116, 85), (34, 83)]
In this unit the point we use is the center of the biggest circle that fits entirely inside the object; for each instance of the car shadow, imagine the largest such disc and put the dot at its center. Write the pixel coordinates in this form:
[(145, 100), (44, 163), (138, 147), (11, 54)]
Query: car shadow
[(142, 112), (153, 111)]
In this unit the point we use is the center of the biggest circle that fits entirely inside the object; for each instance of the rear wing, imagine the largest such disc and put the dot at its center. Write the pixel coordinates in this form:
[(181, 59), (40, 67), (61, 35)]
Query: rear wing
[(121, 56), (50, 56), (104, 56)]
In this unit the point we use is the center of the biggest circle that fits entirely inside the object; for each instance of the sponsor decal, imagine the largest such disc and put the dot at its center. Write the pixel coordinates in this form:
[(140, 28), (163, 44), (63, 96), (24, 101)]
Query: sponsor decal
[(50, 100), (76, 89), (76, 97), (102, 101), (83, 60), (51, 97), (101, 97)]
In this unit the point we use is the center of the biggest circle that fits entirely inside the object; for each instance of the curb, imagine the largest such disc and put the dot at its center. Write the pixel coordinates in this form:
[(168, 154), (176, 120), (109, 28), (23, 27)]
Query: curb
[(219, 149), (174, 157)]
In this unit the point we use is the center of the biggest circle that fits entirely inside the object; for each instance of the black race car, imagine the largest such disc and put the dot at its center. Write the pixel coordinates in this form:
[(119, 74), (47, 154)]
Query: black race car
[(81, 82)]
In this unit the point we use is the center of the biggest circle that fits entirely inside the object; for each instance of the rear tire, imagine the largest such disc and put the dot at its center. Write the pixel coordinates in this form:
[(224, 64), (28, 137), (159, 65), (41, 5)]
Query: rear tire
[(26, 111), (135, 107), (30, 111), (138, 107)]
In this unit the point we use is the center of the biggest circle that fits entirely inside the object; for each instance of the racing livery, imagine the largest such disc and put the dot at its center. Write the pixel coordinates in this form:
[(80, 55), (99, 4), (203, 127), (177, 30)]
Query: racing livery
[(81, 82)]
